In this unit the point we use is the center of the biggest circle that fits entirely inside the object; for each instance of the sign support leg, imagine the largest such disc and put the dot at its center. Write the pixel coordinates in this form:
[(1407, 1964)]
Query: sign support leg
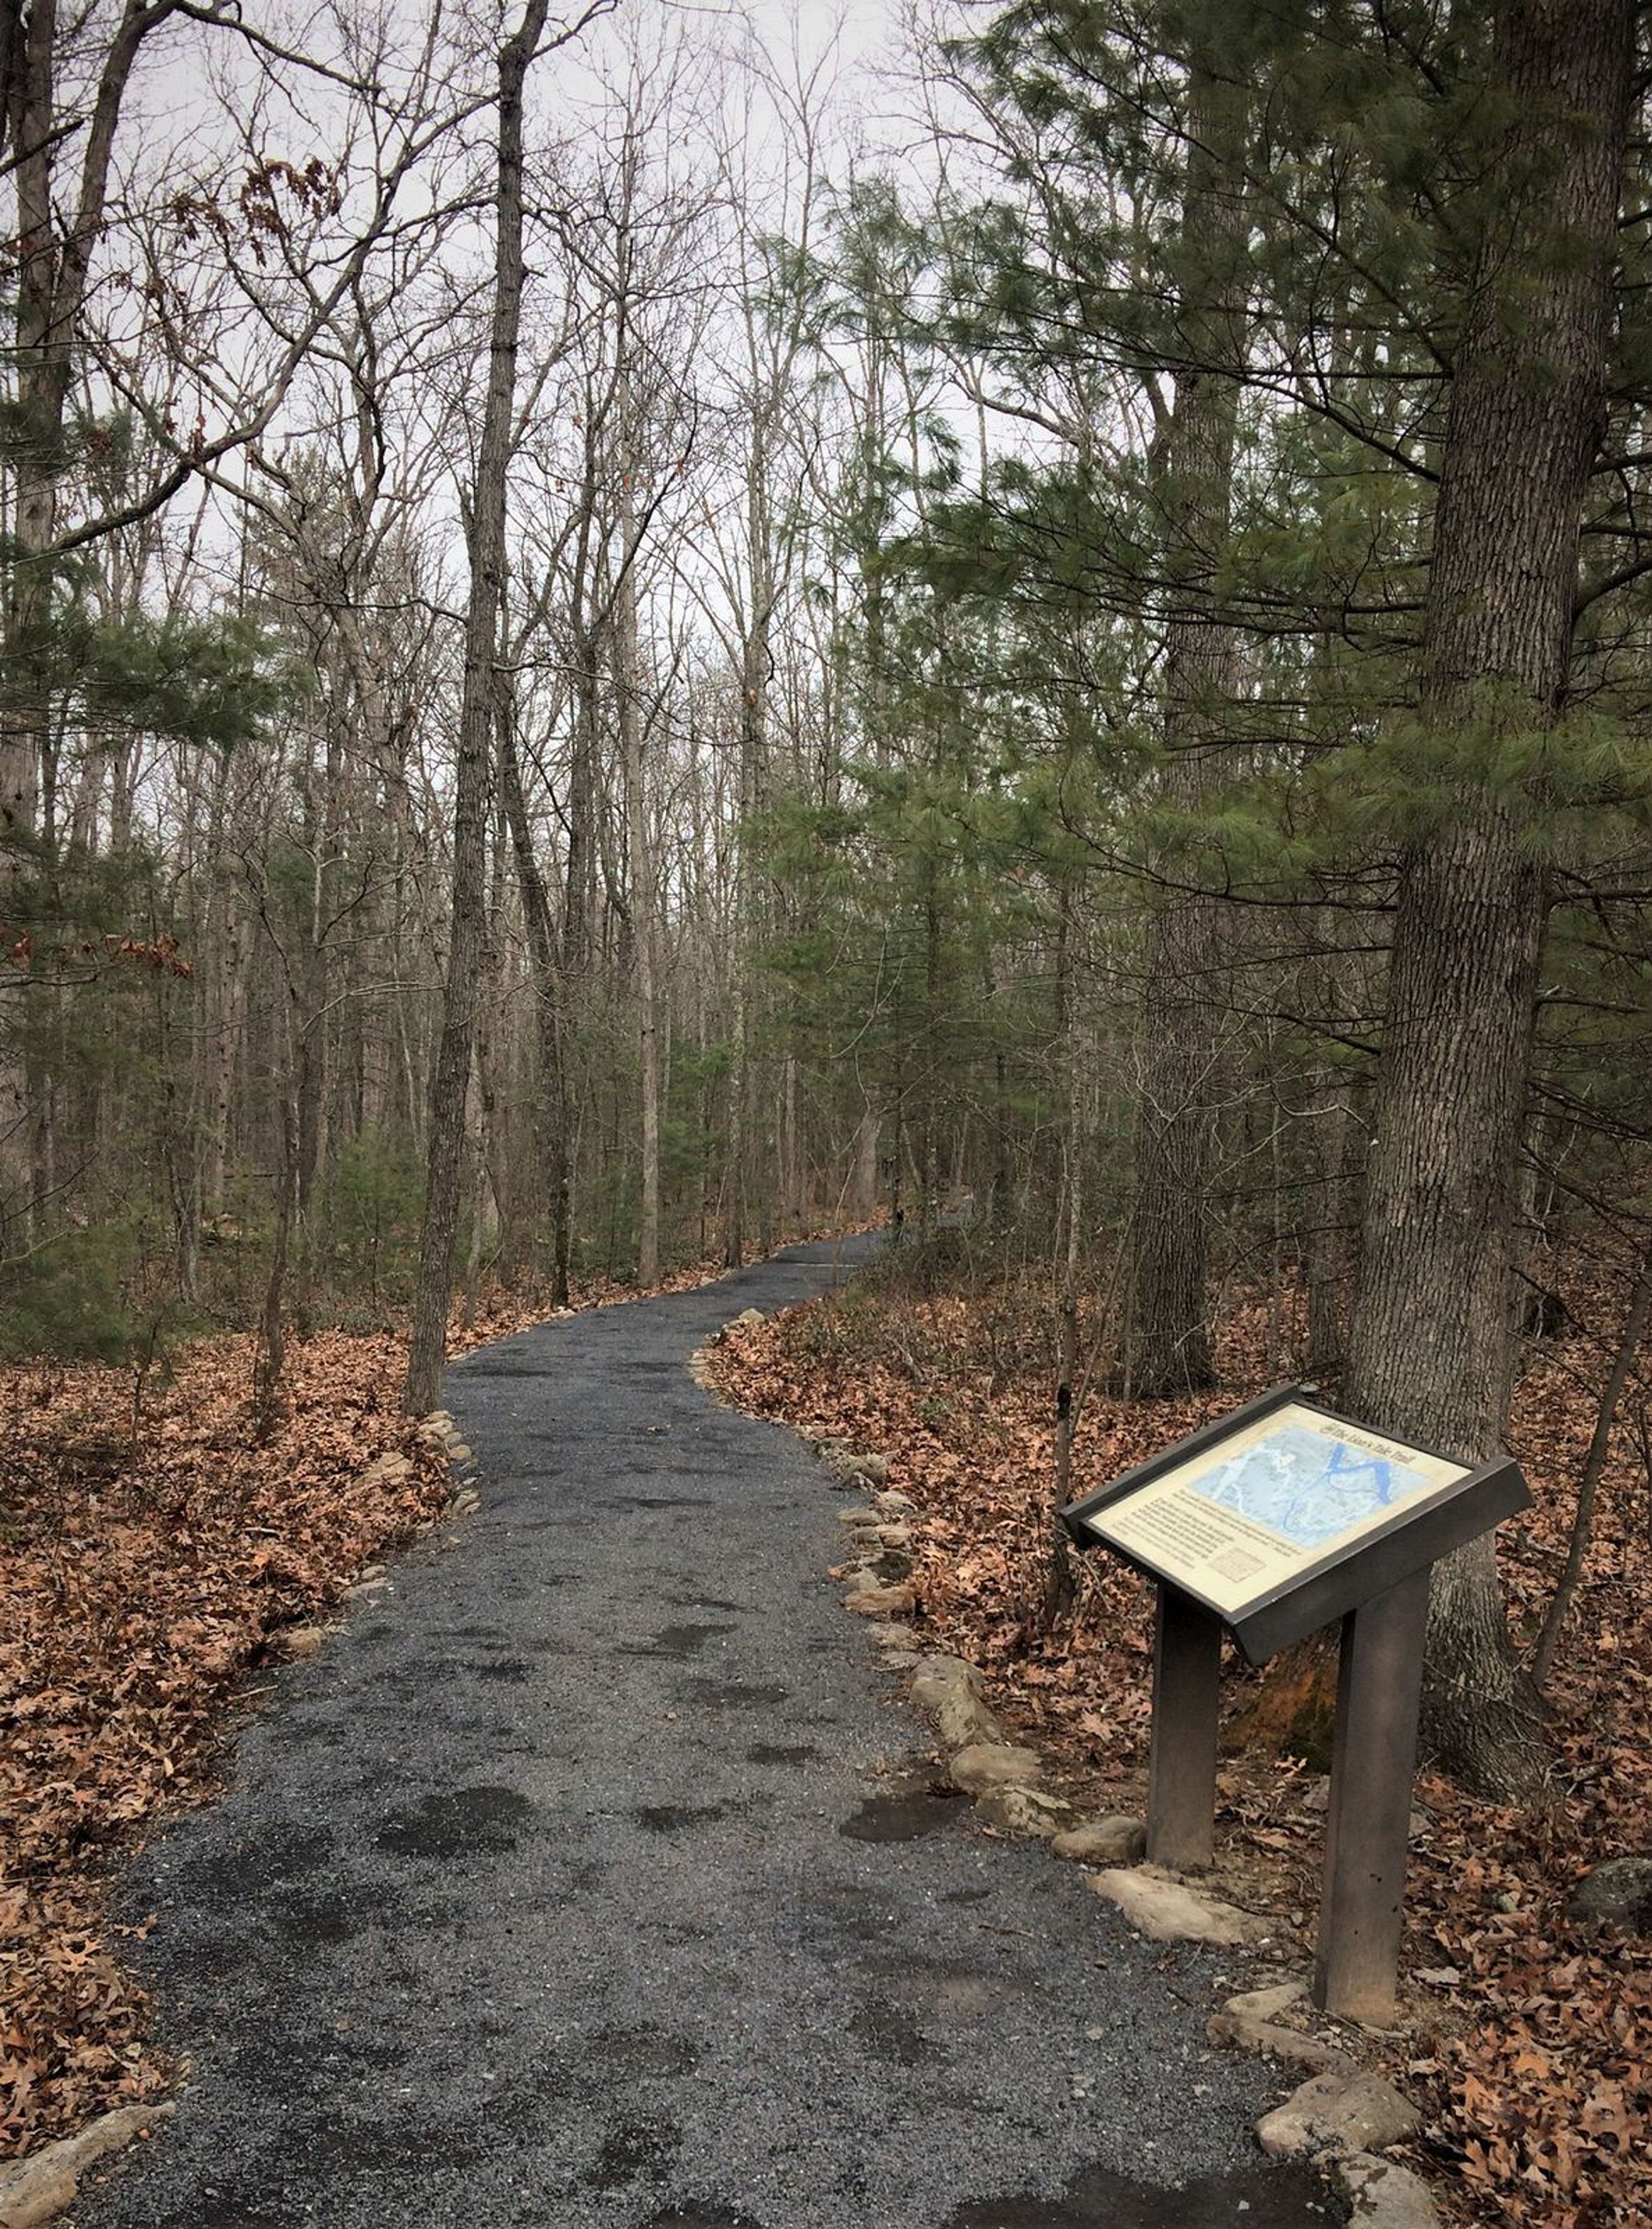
[(1186, 1696), (1379, 1689)]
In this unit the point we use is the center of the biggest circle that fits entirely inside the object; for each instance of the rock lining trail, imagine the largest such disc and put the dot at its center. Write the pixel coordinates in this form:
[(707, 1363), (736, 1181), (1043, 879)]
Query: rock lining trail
[(560, 1891)]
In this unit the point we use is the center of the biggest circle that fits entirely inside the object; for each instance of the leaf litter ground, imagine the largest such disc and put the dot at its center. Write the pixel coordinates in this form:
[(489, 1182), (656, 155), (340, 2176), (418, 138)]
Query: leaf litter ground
[(1530, 2042)]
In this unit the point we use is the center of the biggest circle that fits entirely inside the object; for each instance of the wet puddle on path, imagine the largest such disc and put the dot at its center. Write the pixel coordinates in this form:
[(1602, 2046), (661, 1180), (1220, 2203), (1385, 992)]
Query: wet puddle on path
[(1255, 2198), (677, 1641), (909, 1805), (675, 1818), (461, 1822)]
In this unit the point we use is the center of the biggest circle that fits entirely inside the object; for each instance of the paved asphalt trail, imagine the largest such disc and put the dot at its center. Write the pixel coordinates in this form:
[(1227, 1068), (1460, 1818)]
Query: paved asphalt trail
[(544, 1899)]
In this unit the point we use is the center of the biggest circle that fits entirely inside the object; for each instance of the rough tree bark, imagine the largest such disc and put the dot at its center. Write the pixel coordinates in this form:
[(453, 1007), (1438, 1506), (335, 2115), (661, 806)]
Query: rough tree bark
[(1432, 1346), (445, 1167), (1184, 1010)]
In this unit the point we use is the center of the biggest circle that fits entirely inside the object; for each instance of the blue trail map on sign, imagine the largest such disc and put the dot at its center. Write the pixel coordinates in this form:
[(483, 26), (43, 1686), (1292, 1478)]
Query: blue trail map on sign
[(1307, 1488)]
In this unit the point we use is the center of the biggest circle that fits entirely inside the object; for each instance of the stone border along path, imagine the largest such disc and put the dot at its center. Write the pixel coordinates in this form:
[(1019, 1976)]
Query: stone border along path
[(578, 1884)]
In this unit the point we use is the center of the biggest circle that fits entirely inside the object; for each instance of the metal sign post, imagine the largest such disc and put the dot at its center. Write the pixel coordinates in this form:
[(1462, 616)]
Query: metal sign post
[(1187, 1706), (1367, 1823), (1269, 1524)]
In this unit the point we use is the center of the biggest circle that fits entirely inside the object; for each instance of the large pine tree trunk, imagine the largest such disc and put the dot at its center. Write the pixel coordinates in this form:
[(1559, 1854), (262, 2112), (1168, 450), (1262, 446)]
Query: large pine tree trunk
[(449, 1083), (1184, 1013), (1432, 1347)]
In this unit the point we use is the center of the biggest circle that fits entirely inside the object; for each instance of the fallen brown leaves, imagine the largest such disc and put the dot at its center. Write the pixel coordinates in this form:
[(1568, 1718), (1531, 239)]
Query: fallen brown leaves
[(1531, 2042), (140, 1577)]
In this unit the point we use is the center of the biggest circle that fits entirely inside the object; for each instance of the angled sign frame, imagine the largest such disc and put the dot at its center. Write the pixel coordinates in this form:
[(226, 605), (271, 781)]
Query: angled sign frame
[(1286, 1516)]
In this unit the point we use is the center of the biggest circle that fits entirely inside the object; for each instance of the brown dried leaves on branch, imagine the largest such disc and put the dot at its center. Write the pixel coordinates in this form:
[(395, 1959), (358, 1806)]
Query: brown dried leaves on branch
[(1531, 2041)]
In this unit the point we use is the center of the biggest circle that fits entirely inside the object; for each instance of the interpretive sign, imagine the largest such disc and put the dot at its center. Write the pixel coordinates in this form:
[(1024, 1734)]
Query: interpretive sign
[(1271, 1523), (1284, 1515)]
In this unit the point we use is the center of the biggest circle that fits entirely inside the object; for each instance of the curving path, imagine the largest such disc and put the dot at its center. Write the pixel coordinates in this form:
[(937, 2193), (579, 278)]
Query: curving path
[(557, 1894)]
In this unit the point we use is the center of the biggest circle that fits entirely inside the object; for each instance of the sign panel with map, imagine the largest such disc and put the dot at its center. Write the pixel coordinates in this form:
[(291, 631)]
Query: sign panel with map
[(1285, 1500)]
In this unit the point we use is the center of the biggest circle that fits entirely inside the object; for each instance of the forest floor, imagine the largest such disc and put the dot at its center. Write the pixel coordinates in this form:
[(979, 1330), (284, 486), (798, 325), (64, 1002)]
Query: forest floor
[(153, 1555), (1530, 2042)]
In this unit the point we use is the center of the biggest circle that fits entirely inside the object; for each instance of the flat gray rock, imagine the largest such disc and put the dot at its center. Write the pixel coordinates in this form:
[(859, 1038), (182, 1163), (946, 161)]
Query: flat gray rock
[(576, 1884), (1619, 1891), (1269, 1999), (1117, 1839), (1246, 2032), (1382, 2194), (953, 1693), (994, 1764), (1169, 1911), (1022, 1810), (1354, 2111), (868, 1599), (37, 2189)]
